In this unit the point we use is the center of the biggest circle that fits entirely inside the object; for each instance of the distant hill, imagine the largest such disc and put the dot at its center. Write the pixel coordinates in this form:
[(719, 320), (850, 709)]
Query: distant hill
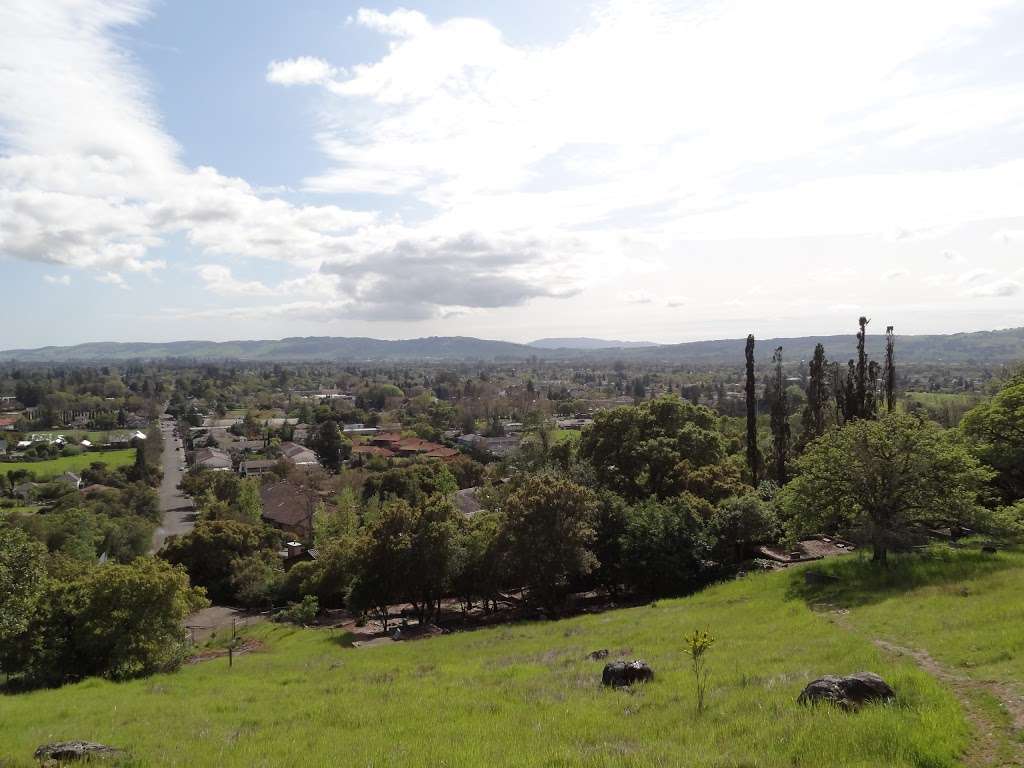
[(584, 342), (1003, 346)]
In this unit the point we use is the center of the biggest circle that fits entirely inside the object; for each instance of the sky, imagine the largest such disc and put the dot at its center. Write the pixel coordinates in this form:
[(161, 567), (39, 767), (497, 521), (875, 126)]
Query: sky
[(661, 171)]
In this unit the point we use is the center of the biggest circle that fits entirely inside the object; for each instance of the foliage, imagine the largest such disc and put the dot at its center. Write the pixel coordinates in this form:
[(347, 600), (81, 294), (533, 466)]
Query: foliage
[(660, 448), (877, 478), (996, 431), (209, 550), (115, 621), (415, 483), (548, 536), (21, 581), (302, 613), (739, 522), (666, 545)]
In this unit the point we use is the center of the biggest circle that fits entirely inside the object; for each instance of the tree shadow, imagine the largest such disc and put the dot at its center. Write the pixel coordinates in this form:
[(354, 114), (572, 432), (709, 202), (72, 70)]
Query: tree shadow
[(848, 582)]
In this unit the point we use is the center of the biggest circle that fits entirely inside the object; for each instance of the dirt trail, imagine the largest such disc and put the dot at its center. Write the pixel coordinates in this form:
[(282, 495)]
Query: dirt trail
[(996, 743)]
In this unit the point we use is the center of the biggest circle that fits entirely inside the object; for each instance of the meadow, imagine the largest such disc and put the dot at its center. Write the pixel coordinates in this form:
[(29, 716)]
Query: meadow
[(528, 695), (53, 467)]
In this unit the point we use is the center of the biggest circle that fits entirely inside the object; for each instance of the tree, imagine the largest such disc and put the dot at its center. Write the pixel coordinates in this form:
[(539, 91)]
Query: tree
[(115, 621), (331, 448), (996, 431), (256, 579), (890, 368), (548, 536), (666, 544), (415, 483), (753, 456), (780, 420), (22, 579), (209, 550), (381, 560), (661, 448), (739, 522), (813, 421), (873, 479)]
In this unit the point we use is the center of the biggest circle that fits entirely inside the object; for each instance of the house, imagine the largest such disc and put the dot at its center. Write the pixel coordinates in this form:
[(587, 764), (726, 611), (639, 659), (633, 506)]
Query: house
[(386, 439), (298, 454), (256, 467), (71, 479), (358, 429), (213, 459), (7, 423), (295, 552), (372, 450), (443, 452), (289, 508)]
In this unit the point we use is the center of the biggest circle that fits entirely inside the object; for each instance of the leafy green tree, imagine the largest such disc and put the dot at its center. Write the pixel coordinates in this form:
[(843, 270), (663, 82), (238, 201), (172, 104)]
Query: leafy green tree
[(996, 431), (381, 560), (256, 579), (22, 580), (415, 483), (813, 420), (753, 455), (249, 505), (739, 522), (873, 479), (479, 568), (115, 621), (779, 420), (660, 448), (330, 446), (548, 536), (209, 550), (666, 545)]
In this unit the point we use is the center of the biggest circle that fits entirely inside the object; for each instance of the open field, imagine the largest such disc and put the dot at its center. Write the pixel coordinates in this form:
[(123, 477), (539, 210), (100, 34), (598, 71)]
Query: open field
[(53, 467), (95, 436), (527, 694)]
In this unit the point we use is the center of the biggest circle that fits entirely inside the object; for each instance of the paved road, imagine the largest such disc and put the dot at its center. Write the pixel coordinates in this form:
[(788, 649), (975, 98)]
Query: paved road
[(179, 513)]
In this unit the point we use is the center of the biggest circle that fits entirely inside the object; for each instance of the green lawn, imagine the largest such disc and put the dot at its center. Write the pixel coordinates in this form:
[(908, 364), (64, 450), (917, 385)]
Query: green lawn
[(520, 695), (566, 435), (53, 467), (95, 436)]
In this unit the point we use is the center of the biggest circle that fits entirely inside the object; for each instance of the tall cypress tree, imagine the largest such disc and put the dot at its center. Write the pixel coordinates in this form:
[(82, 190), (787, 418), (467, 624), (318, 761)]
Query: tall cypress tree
[(780, 420), (753, 457), (861, 383), (817, 397), (890, 368)]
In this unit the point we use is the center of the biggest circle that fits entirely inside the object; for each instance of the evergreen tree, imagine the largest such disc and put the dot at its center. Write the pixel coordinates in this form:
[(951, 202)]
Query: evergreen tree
[(751, 392), (890, 369), (817, 397), (780, 420)]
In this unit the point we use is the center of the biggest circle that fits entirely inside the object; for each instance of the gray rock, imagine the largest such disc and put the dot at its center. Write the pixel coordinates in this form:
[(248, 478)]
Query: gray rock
[(64, 751), (623, 673), (848, 692)]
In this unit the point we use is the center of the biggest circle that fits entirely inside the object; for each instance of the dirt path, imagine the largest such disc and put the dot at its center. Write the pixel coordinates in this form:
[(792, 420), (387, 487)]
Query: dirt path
[(997, 734)]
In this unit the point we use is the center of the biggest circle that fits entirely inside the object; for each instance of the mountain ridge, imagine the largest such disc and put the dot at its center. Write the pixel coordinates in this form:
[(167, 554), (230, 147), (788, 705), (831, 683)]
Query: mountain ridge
[(1000, 346)]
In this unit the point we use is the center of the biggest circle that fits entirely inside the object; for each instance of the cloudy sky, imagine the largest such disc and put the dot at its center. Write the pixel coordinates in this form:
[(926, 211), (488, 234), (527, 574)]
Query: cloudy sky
[(634, 170)]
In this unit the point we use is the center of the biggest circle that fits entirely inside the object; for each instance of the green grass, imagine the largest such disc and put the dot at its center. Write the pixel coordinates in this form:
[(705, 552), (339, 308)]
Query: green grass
[(963, 606), (566, 435), (522, 695), (95, 436), (54, 467)]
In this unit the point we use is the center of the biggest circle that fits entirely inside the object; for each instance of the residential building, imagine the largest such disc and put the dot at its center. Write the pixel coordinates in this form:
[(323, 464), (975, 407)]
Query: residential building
[(290, 508), (212, 458), (298, 454)]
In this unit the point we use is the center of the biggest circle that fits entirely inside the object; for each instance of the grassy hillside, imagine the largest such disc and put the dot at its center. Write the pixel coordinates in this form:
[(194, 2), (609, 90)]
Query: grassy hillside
[(54, 467), (527, 695)]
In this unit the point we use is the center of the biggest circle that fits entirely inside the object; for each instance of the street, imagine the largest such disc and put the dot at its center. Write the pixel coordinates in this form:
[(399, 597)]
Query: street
[(178, 511)]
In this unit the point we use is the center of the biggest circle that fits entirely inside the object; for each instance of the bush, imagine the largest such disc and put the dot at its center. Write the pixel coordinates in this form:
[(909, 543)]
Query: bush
[(299, 613)]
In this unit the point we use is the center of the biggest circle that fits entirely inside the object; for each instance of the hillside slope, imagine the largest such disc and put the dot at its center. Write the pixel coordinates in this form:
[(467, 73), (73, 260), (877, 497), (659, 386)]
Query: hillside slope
[(527, 695)]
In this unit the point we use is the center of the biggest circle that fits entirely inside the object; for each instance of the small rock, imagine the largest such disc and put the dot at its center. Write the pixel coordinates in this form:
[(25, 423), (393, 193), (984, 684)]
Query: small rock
[(623, 673), (62, 751), (598, 655), (847, 692)]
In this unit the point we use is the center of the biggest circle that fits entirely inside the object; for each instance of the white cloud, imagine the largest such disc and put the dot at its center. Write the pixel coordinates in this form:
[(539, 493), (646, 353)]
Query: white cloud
[(637, 297), (59, 280), (997, 289), (304, 70), (896, 274), (112, 278)]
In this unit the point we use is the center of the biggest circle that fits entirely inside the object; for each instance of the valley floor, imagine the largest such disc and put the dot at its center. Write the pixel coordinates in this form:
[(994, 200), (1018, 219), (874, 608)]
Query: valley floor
[(944, 629)]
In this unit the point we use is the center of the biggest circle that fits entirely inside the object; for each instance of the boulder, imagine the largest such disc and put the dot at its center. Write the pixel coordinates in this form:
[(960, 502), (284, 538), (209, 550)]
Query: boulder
[(847, 692), (64, 751), (598, 655), (623, 673)]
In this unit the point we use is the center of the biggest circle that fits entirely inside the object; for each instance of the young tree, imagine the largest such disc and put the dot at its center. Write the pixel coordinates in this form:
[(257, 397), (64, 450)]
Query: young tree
[(874, 478), (753, 456)]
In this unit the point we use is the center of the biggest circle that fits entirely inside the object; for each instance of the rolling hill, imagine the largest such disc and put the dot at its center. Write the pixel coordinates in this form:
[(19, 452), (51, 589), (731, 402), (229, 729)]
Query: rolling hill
[(1002, 346)]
